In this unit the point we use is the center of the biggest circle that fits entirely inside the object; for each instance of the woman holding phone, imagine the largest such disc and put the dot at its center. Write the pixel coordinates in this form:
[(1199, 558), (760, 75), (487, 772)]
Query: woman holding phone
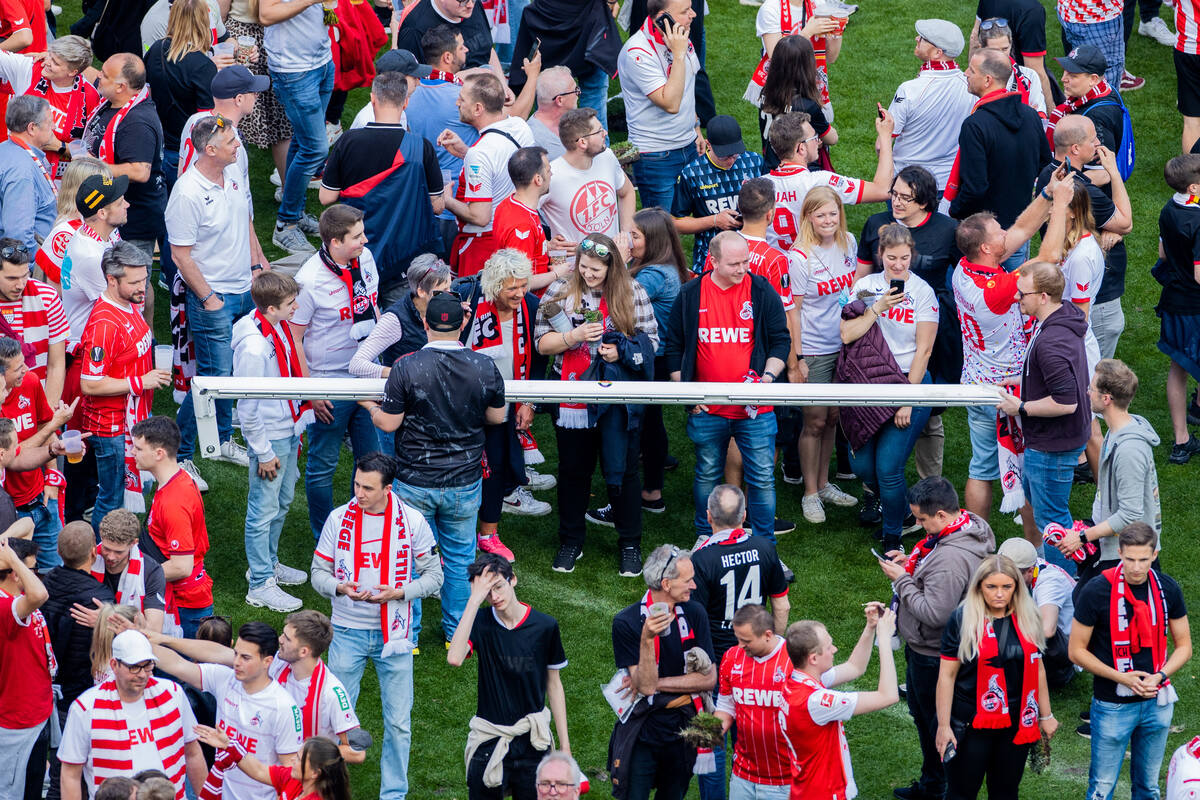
[(905, 309)]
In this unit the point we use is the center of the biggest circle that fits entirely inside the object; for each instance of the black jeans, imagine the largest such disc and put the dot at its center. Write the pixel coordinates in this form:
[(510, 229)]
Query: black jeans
[(921, 674), (665, 770), (501, 445), (654, 437), (520, 771), (578, 451), (986, 755)]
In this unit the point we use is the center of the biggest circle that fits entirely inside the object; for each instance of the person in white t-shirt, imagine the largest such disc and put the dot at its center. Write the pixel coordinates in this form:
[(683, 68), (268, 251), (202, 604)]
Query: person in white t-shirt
[(213, 244), (1052, 590), (657, 68), (906, 311), (589, 192), (251, 707), (376, 555), (484, 182)]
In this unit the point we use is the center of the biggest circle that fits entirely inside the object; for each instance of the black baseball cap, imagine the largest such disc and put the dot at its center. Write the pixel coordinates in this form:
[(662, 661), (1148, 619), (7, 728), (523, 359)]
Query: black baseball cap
[(235, 80), (444, 312), (98, 191), (1084, 60), (725, 136), (404, 62)]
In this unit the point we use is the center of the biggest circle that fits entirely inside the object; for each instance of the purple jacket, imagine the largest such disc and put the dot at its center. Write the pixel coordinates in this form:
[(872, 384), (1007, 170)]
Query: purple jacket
[(868, 359), (1056, 366)]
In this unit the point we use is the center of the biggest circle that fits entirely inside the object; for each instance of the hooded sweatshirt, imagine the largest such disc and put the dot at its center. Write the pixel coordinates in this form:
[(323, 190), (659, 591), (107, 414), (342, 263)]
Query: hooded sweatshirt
[(262, 420), (1127, 490), (1002, 148), (929, 596), (1056, 366)]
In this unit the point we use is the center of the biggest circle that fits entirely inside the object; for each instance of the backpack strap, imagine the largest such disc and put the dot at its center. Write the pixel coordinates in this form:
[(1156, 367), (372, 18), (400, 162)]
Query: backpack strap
[(505, 134)]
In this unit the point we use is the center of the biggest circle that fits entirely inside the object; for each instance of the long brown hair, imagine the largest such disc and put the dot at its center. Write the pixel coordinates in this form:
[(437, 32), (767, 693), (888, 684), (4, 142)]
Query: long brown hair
[(617, 289), (793, 72), (187, 29), (662, 242), (1082, 221), (331, 781)]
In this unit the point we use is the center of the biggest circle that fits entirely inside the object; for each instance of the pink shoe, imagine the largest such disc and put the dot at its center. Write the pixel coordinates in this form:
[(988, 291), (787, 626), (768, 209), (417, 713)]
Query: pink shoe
[(492, 544)]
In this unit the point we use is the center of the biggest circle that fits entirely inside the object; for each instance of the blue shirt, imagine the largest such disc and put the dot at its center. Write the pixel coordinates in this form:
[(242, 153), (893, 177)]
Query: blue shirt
[(703, 189), (27, 202), (431, 110), (661, 282)]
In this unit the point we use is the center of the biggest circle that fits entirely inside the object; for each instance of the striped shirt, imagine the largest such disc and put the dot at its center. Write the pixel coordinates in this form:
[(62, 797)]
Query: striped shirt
[(752, 692), (1082, 12), (1187, 13), (38, 318), (54, 249)]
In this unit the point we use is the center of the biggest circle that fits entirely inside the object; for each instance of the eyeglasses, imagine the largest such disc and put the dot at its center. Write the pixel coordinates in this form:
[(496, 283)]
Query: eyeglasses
[(599, 249), (662, 575), (1022, 295), (576, 91), (813, 138), (994, 22), (555, 786), (9, 251), (145, 668), (590, 134), (901, 196)]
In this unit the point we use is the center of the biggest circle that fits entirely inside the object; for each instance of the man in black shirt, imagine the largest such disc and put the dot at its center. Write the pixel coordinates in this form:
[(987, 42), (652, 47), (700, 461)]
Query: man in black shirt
[(467, 18), (437, 401), (1122, 621), (520, 654), (650, 639)]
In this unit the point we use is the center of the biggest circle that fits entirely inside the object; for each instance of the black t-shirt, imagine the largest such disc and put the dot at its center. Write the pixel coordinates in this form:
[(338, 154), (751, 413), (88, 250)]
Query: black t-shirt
[(937, 251), (1092, 609), (363, 153), (156, 584), (443, 393), (1179, 230), (1012, 660), (476, 33), (731, 575), (139, 138), (1026, 18), (513, 664), (816, 118), (1103, 209), (8, 511), (689, 630), (180, 88)]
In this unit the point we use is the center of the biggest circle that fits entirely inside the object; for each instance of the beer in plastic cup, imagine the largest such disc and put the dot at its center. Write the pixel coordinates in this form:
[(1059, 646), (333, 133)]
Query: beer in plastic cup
[(73, 445), (244, 45)]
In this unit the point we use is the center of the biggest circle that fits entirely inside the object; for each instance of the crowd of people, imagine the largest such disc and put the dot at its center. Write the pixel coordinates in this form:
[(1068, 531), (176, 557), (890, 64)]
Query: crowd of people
[(478, 229)]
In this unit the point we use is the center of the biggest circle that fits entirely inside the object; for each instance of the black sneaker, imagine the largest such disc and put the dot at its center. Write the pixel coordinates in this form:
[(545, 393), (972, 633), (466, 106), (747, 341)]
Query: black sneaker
[(914, 792), (1085, 730), (870, 513), (568, 554), (1182, 453), (902, 689), (630, 562), (1083, 474), (670, 463), (783, 526), (1193, 412), (654, 506), (1086, 715), (794, 478), (910, 525), (601, 516)]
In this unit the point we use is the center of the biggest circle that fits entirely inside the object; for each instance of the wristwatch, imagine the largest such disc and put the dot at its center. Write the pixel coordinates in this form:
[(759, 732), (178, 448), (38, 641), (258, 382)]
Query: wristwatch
[(1021, 409)]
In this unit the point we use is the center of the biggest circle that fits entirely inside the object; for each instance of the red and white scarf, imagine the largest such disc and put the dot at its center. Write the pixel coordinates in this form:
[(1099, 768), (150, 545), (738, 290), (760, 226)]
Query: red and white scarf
[(930, 541), (955, 171), (395, 567), (1019, 82), (131, 586), (575, 362), (441, 75), (1073, 104), (1010, 449), (110, 737), (288, 359), (1134, 624), (358, 303), (137, 408), (732, 536), (107, 151), (41, 165), (758, 80), (183, 367), (37, 624), (939, 66), (991, 690), (705, 759), (311, 712), (225, 760), (486, 332)]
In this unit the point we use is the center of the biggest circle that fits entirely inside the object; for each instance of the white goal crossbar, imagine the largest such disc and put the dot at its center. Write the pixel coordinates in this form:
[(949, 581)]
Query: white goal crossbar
[(205, 390)]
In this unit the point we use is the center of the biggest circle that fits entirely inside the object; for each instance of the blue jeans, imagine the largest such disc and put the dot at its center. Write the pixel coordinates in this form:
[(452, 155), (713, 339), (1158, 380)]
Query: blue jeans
[(212, 333), (593, 88), (110, 474), (756, 441), (712, 784), (1019, 257), (348, 655), (881, 462), (324, 451), (1143, 727), (1047, 482), (742, 789), (451, 513), (303, 96), (45, 532), (655, 174), (267, 504), (189, 619)]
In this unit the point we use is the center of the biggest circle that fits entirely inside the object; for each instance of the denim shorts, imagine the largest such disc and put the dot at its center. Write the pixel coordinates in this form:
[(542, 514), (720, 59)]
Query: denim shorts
[(985, 453)]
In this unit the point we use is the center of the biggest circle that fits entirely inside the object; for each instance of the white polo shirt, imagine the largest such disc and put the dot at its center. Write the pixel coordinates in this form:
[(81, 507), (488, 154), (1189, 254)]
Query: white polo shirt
[(83, 279), (214, 220), (584, 201), (187, 152), (929, 111), (485, 168), (324, 306), (643, 67)]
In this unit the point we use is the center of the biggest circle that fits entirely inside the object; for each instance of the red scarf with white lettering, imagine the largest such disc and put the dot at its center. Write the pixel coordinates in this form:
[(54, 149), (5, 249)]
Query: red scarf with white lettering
[(952, 182), (225, 760), (930, 541), (395, 567), (107, 152), (131, 586), (1010, 450), (991, 691), (287, 357), (1073, 104), (1135, 624), (575, 362), (485, 332), (939, 66), (311, 713), (440, 75), (110, 736)]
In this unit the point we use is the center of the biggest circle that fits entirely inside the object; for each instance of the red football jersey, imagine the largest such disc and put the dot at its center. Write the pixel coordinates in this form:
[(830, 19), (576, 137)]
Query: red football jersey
[(518, 226), (116, 344), (812, 716), (176, 524), (725, 339), (752, 691), (26, 406)]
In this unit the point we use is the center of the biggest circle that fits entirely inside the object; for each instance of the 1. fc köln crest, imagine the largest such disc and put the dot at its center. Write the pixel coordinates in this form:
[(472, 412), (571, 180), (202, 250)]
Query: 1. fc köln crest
[(594, 207)]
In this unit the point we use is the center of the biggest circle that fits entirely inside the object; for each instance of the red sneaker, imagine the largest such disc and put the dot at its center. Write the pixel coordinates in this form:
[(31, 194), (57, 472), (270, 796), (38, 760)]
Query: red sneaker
[(492, 544), (1131, 83)]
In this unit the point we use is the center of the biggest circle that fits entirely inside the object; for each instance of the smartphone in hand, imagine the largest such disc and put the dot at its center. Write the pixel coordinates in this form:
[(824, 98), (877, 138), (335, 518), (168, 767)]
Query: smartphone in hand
[(665, 22), (897, 287)]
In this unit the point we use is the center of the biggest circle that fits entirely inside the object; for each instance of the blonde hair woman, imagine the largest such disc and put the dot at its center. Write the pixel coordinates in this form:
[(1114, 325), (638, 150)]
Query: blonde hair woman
[(54, 248), (102, 636), (993, 701)]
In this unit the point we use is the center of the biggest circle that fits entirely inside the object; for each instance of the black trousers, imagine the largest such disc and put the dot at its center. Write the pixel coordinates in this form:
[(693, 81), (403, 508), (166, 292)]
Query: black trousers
[(654, 437), (520, 771), (578, 452), (986, 755), (921, 674), (665, 770), (504, 453)]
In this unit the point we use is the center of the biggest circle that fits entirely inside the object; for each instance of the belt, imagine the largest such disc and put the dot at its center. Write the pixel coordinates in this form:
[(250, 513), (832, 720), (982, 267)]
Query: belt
[(30, 506)]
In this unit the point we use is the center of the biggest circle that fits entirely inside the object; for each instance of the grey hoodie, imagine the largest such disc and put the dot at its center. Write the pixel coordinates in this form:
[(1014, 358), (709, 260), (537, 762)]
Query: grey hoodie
[(930, 595), (1127, 490)]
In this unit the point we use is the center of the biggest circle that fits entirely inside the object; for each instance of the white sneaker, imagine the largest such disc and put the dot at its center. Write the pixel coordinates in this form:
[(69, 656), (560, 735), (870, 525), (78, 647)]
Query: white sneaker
[(1157, 30), (539, 482), (235, 419), (269, 595), (275, 179), (234, 453), (813, 508), (523, 503), (190, 468), (333, 132), (289, 576), (700, 540), (832, 494)]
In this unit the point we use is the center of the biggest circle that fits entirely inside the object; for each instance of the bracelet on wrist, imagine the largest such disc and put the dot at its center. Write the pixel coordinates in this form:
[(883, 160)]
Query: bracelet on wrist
[(1048, 716), (1046, 195), (204, 299)]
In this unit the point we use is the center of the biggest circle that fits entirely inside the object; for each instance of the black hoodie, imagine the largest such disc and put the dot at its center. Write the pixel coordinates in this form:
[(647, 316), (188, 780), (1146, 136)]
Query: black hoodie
[(1001, 150), (1056, 366), (71, 640)]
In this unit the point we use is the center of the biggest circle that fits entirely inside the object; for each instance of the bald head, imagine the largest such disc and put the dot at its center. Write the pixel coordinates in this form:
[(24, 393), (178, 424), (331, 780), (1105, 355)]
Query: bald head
[(993, 63), (1073, 129), (122, 76), (726, 507)]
